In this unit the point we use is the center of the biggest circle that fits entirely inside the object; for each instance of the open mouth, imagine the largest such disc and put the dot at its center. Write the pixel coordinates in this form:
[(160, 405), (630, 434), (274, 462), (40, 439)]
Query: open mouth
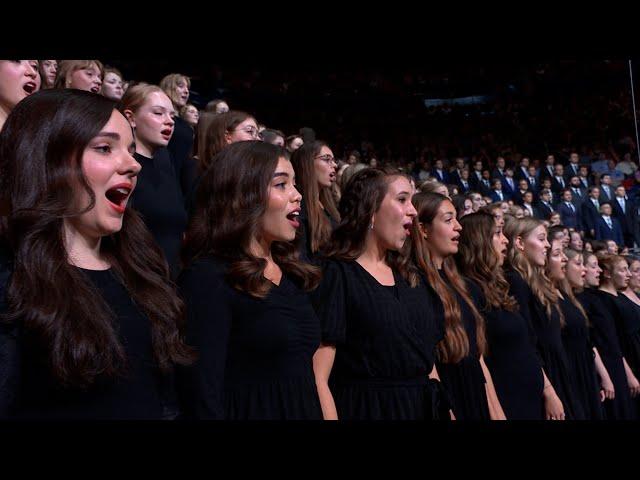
[(95, 89), (456, 239), (118, 195), (407, 228), (29, 87), (167, 133), (293, 218)]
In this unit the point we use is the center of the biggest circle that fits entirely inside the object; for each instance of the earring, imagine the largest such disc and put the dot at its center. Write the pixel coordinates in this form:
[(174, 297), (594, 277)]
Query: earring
[(371, 226)]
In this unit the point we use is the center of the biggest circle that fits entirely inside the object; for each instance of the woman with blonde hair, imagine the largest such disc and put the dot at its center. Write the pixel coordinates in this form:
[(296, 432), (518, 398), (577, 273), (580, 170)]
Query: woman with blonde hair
[(433, 186), (112, 85), (177, 86), (538, 302), (80, 74), (159, 195)]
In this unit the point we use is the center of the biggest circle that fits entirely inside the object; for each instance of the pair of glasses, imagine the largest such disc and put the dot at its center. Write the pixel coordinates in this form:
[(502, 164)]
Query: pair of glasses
[(327, 158), (253, 131)]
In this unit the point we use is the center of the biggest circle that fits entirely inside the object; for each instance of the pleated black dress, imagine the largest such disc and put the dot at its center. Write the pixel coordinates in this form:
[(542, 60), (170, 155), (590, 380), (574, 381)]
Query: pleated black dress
[(548, 339), (255, 355), (464, 381), (602, 312), (513, 363), (385, 342), (575, 337), (141, 392)]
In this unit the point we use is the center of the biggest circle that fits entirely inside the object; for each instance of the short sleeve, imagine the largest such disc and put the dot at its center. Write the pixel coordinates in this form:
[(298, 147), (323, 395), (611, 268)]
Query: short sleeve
[(329, 303), (207, 303)]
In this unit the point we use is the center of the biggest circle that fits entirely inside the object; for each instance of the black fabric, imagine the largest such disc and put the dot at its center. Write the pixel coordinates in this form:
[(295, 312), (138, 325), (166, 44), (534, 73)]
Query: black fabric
[(158, 198), (303, 236), (142, 392), (513, 363), (575, 338), (465, 380), (601, 311), (181, 143), (385, 345), (255, 355)]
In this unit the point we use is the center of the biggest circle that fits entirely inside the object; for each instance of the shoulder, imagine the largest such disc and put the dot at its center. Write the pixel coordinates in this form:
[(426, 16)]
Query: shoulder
[(205, 271)]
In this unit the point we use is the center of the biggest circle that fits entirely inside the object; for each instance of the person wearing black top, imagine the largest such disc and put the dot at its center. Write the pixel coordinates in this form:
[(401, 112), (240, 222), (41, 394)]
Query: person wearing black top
[(460, 360), (575, 335), (630, 331), (315, 168), (618, 404), (379, 329), (248, 311), (511, 357), (176, 87), (538, 303), (90, 325), (158, 196)]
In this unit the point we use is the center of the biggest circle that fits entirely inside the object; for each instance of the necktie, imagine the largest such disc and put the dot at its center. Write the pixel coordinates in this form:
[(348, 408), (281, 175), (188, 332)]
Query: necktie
[(621, 202), (570, 205), (533, 181), (577, 192), (608, 220), (500, 195)]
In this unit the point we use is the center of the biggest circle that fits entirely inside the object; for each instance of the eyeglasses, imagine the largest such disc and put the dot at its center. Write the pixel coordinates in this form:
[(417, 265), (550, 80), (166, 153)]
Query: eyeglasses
[(327, 158), (253, 131)]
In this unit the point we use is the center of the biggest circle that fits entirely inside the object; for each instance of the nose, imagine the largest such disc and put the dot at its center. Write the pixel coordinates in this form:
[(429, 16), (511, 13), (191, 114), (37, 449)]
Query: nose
[(412, 212), (130, 166), (170, 120), (297, 196), (31, 70), (456, 226)]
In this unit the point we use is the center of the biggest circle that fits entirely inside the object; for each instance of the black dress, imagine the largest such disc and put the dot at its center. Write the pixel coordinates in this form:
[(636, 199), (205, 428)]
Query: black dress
[(513, 363), (465, 380), (303, 237), (158, 198), (385, 342), (141, 392), (628, 328), (547, 334), (255, 355), (602, 311), (575, 337)]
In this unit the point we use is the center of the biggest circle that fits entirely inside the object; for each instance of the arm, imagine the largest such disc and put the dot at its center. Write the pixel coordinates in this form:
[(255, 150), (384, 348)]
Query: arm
[(495, 409), (634, 385), (322, 365), (553, 407), (434, 376), (606, 385)]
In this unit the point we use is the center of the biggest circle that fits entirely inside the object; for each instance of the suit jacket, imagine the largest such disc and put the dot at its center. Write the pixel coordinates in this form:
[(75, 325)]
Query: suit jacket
[(544, 172), (535, 186), (578, 199), (462, 188), (483, 189), (507, 189), (603, 232), (603, 195), (474, 180), (570, 172), (444, 178), (495, 198), (569, 218), (557, 187), (543, 211), (585, 182), (589, 215), (625, 218), (518, 197), (454, 177), (520, 174), (495, 173)]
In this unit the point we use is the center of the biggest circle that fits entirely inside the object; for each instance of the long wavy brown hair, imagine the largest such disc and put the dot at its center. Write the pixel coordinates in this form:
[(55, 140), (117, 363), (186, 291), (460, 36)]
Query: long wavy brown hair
[(229, 207), (315, 197), (536, 277), (362, 197), (565, 287), (455, 345), (478, 260), (41, 150)]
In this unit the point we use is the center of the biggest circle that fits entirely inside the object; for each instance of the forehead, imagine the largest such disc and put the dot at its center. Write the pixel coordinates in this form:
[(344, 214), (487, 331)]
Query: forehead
[(284, 166), (325, 150), (159, 98), (119, 124), (111, 75), (397, 185), (247, 122)]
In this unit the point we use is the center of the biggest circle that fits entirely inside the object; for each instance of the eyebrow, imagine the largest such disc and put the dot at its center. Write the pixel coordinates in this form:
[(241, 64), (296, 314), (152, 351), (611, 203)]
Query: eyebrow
[(403, 193), (280, 174), (114, 135)]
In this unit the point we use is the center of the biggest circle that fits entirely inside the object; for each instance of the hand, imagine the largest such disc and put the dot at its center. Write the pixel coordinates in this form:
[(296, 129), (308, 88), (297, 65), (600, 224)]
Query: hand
[(553, 407), (453, 417), (634, 386), (608, 390)]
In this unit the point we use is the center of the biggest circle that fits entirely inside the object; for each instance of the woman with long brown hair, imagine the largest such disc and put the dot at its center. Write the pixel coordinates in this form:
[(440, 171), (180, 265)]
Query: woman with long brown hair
[(618, 404), (575, 337), (315, 168), (379, 330), (523, 390), (460, 361), (92, 317), (245, 288), (538, 302)]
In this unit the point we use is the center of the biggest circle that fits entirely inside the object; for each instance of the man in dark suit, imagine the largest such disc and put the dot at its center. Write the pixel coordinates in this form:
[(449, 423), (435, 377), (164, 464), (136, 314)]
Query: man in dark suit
[(544, 207), (523, 187), (548, 170), (607, 227), (606, 190), (553, 197), (439, 173), (590, 211), (527, 204), (456, 173), (623, 209), (475, 176), (496, 194), (578, 193), (522, 172), (463, 183), (509, 186), (498, 172), (484, 187), (569, 214), (558, 183), (534, 180), (573, 169), (585, 179)]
